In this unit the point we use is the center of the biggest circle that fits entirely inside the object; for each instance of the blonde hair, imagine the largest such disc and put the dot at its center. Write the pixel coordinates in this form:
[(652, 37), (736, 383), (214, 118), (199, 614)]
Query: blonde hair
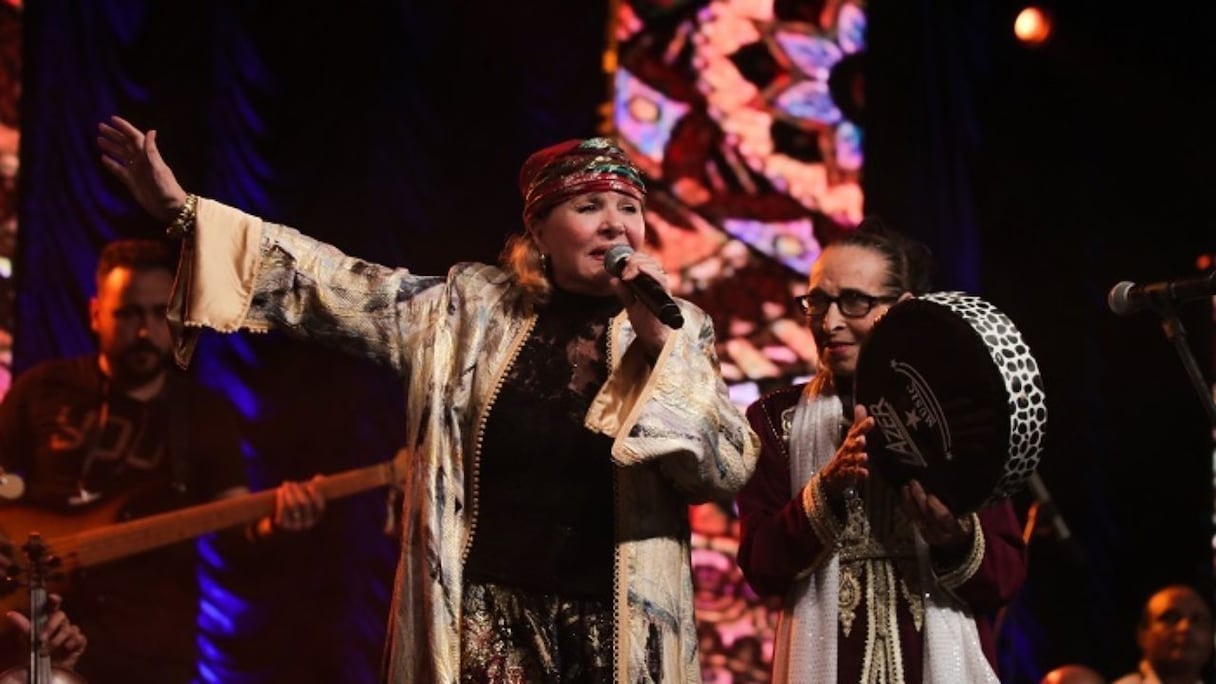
[(520, 258)]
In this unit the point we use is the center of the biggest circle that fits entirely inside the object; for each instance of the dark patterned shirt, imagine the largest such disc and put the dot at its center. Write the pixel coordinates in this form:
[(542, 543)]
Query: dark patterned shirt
[(544, 480)]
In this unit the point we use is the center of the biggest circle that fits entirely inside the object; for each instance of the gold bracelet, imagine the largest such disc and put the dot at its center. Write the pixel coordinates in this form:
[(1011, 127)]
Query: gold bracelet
[(183, 223)]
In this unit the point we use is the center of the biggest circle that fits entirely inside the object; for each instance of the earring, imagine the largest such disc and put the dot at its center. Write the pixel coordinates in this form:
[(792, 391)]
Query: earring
[(544, 263)]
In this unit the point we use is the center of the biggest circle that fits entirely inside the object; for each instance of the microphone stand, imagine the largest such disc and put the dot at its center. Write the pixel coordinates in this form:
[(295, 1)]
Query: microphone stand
[(1045, 512), (1174, 330), (1046, 507), (1176, 333)]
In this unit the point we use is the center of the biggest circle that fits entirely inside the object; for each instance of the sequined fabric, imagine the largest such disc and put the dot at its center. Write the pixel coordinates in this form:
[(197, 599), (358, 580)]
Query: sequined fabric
[(509, 635), (572, 167)]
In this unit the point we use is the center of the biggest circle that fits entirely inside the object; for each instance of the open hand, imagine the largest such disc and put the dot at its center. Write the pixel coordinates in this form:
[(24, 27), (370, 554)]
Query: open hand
[(132, 155)]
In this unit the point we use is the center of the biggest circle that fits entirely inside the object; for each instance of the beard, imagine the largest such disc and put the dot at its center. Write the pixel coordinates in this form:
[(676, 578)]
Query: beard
[(139, 363)]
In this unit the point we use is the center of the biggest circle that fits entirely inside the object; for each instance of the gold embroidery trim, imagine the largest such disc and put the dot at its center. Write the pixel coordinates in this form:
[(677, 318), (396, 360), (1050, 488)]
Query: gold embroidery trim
[(787, 425), (849, 594), (823, 521), (971, 565), (916, 603)]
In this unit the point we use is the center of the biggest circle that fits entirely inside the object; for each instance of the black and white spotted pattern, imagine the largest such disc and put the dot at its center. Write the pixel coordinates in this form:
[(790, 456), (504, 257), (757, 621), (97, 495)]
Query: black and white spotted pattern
[(1024, 385)]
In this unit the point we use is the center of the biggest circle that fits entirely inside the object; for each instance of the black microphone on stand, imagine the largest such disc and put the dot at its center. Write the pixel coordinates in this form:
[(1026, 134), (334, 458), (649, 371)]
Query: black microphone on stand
[(1127, 298), (645, 288)]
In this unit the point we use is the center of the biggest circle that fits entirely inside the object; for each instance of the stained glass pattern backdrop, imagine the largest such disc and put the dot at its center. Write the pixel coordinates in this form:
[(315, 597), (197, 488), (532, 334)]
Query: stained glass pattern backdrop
[(10, 95), (745, 116)]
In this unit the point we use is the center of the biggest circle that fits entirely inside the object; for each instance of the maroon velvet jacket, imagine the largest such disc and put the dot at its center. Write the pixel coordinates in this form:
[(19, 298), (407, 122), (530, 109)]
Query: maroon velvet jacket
[(779, 544)]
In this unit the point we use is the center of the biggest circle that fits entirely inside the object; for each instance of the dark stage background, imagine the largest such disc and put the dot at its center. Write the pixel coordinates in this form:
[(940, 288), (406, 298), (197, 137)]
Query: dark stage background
[(1040, 176)]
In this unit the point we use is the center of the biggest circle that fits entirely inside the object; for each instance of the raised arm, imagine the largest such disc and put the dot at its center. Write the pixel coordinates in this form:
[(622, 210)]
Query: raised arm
[(240, 272), (243, 273)]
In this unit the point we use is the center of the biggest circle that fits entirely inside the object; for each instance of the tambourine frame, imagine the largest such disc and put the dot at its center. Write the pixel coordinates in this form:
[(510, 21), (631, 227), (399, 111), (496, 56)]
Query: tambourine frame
[(957, 399)]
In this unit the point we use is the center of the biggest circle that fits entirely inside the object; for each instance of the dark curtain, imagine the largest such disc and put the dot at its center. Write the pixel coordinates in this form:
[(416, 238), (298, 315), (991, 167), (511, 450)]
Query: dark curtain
[(1041, 177), (391, 129)]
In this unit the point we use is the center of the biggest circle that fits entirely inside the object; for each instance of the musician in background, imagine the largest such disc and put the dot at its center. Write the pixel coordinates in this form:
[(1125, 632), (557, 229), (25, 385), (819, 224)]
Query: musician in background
[(122, 427), (878, 584), (1175, 638)]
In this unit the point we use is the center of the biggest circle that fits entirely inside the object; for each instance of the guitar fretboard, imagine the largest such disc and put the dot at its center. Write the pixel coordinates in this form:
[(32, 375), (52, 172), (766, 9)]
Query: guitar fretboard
[(123, 539)]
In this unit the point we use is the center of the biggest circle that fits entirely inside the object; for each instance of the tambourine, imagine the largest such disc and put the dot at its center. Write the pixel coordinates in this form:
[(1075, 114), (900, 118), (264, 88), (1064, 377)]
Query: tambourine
[(957, 399)]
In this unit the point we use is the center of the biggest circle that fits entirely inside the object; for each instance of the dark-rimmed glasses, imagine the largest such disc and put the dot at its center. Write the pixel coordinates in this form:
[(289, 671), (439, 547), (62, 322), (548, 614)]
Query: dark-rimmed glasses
[(852, 303)]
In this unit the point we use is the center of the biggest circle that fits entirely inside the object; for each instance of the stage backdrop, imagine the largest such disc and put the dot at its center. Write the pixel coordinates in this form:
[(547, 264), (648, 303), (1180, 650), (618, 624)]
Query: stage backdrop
[(395, 130)]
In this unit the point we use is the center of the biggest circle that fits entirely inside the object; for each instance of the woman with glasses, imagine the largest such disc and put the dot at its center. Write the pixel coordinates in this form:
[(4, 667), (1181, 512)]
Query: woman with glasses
[(853, 557)]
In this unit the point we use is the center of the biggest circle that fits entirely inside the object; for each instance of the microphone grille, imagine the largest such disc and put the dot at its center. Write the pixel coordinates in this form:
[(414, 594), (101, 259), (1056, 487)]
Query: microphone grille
[(1118, 300), (615, 258)]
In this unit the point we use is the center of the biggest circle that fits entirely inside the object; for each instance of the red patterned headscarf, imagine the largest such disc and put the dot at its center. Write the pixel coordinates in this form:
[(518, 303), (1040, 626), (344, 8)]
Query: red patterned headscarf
[(572, 167)]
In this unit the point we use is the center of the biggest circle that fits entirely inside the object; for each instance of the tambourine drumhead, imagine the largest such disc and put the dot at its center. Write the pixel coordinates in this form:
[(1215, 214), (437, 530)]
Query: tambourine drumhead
[(957, 399)]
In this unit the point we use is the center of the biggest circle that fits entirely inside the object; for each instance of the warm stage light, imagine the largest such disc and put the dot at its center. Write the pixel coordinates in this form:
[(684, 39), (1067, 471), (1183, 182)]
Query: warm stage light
[(1033, 26)]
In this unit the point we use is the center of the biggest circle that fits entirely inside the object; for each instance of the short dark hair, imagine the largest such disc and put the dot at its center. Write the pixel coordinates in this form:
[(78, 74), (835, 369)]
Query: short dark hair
[(1204, 596), (911, 260), (137, 254)]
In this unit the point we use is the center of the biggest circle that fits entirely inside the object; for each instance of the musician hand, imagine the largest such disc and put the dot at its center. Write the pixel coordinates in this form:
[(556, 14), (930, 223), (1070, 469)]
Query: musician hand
[(937, 524), (298, 505), (67, 643), (850, 467)]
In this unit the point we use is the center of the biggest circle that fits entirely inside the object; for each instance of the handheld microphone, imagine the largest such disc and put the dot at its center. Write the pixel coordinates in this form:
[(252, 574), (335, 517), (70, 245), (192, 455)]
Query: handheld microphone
[(1127, 298), (645, 288)]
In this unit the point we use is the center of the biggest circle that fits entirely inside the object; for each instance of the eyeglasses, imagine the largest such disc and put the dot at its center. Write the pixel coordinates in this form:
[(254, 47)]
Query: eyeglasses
[(852, 304)]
